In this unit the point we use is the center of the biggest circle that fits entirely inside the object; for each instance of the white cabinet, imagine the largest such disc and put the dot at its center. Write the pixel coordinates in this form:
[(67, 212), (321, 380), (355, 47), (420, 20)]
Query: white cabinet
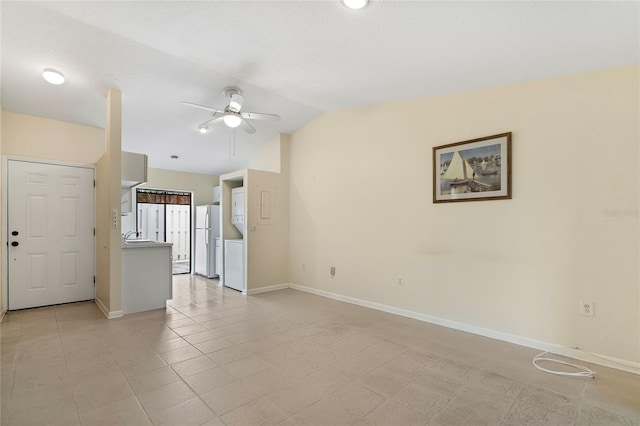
[(134, 169), (216, 195)]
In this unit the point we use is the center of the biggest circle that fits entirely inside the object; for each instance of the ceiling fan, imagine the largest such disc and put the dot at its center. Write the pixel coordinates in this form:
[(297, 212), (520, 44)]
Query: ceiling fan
[(232, 114)]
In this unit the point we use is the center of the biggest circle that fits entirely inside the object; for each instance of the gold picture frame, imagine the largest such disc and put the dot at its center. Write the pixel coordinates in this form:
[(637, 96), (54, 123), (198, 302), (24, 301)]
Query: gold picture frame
[(474, 170)]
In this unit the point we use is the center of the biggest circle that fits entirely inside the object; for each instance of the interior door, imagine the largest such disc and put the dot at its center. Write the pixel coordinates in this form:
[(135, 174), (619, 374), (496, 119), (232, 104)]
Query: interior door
[(50, 222)]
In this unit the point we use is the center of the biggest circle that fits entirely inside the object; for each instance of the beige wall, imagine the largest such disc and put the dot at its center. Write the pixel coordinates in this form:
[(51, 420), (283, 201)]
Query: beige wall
[(201, 184), (42, 138), (108, 237), (268, 238), (361, 201)]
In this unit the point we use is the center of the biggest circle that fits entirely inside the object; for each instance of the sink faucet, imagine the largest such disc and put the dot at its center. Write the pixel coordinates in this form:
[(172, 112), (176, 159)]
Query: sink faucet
[(126, 236)]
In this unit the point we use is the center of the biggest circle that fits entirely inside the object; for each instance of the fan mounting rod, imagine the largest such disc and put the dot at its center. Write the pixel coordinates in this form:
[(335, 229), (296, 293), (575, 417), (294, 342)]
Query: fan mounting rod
[(230, 91)]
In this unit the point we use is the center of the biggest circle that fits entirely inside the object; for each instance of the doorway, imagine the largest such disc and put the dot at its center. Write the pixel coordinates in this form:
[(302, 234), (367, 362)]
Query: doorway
[(164, 215), (50, 230)]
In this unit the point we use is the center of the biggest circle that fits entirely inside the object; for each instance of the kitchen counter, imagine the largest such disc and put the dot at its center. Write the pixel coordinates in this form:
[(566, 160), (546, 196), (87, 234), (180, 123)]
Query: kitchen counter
[(145, 244), (146, 276)]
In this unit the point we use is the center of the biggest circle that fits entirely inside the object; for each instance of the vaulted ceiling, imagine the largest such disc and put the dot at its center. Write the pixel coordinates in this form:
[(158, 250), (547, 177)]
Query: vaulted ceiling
[(297, 59)]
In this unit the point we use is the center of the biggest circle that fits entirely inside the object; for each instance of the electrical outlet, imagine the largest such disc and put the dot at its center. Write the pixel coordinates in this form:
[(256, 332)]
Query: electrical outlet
[(400, 280), (586, 308), (332, 271)]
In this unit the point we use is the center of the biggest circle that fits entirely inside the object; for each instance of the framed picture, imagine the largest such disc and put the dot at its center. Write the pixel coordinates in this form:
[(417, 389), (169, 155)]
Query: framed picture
[(473, 170)]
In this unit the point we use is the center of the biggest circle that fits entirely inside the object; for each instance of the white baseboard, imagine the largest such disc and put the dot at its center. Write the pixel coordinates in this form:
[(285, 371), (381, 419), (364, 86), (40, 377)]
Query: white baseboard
[(619, 364), (267, 288), (108, 314)]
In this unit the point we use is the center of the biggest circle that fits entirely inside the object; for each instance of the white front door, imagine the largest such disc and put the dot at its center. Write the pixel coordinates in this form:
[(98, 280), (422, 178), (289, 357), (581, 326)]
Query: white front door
[(50, 222)]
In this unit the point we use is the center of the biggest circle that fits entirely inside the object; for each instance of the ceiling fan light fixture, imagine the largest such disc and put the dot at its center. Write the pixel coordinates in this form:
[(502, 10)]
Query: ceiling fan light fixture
[(53, 76), (203, 129), (355, 4), (232, 120)]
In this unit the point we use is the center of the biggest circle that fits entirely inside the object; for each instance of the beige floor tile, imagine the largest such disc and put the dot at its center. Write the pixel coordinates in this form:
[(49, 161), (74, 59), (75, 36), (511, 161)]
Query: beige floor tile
[(229, 397), (56, 412), (422, 400), (192, 412), (169, 345), (165, 397), (356, 399), (90, 392), (208, 380), (153, 379), (324, 381), (258, 412), (458, 371), (267, 380), (180, 354), (125, 412), (500, 385), (590, 415), (213, 345), (380, 353), (552, 401), (410, 364), (523, 414), (384, 382), (475, 407), (293, 398), (193, 366), (229, 355), (324, 412), (293, 350), (203, 336), (246, 366), (438, 382), (394, 413)]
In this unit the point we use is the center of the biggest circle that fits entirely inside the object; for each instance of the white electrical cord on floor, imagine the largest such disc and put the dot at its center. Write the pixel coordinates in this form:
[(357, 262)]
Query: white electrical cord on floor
[(584, 371)]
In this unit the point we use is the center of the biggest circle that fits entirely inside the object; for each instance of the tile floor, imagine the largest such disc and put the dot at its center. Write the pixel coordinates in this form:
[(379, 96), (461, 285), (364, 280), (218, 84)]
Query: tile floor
[(216, 357)]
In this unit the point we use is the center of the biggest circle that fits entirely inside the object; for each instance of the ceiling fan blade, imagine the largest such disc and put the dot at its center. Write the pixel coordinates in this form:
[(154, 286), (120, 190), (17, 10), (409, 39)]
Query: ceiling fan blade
[(201, 106), (260, 116), (211, 121), (244, 125)]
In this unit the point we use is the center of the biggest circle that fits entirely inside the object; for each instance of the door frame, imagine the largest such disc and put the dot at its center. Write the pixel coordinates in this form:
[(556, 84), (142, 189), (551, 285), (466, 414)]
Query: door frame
[(192, 213), (5, 214)]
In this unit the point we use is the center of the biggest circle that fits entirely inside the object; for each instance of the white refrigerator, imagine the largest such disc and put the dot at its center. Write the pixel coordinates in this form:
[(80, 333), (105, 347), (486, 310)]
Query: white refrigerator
[(207, 229)]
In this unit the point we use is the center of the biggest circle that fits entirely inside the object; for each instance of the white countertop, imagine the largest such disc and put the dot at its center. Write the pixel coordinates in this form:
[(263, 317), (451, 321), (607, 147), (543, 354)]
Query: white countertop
[(146, 244)]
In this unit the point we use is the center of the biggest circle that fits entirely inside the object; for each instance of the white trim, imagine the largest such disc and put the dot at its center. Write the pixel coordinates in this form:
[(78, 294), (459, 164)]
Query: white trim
[(106, 312), (611, 362), (268, 288)]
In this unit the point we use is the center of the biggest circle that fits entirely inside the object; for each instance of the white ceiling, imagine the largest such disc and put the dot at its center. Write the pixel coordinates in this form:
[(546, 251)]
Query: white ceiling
[(297, 59)]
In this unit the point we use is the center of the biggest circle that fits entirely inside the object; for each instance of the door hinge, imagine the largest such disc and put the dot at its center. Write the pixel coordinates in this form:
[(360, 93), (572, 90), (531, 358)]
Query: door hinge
[(94, 280), (94, 232), (94, 183)]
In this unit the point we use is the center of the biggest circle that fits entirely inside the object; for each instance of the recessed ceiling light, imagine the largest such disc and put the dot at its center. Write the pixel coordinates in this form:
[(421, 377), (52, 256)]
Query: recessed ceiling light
[(53, 76), (203, 129), (355, 4)]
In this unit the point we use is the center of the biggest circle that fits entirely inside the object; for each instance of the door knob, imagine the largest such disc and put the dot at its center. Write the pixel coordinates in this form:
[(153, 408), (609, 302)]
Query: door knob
[(15, 243), (14, 233)]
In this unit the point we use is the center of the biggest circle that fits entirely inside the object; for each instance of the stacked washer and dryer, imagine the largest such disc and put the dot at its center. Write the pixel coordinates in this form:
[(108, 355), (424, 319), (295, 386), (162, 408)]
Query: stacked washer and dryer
[(234, 249)]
